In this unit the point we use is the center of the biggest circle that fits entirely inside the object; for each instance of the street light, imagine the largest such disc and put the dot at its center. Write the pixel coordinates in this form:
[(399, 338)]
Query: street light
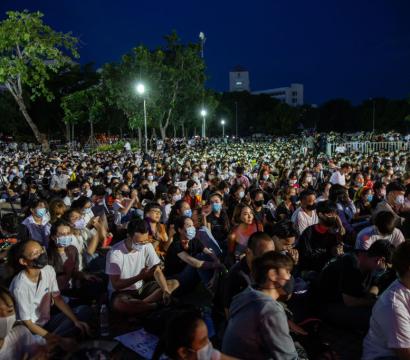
[(203, 114), (223, 127), (141, 91)]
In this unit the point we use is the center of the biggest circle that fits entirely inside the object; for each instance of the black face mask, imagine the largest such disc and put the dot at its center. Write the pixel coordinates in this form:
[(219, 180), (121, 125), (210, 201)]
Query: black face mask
[(125, 193), (311, 207), (258, 203), (40, 262), (76, 194), (294, 199)]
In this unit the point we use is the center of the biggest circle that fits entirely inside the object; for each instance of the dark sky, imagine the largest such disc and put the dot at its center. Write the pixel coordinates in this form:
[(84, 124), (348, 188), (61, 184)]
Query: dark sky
[(354, 49)]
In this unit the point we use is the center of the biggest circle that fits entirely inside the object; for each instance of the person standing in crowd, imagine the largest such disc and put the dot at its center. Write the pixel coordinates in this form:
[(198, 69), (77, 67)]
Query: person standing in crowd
[(339, 176), (305, 215), (59, 181), (257, 326)]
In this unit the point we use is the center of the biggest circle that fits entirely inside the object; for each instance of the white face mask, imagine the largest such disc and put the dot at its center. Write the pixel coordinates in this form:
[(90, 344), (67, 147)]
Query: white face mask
[(6, 324), (399, 200), (207, 353), (137, 247)]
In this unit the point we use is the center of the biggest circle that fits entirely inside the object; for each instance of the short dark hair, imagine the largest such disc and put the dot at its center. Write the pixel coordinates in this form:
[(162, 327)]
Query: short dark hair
[(270, 260), (385, 222), (284, 229), (256, 238), (255, 192), (180, 222), (305, 193), (401, 258), (395, 186), (381, 248), (150, 206), (137, 226), (345, 165), (326, 207)]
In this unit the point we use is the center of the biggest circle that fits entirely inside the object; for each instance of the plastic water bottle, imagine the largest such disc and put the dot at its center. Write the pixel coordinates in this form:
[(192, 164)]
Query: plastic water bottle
[(104, 321)]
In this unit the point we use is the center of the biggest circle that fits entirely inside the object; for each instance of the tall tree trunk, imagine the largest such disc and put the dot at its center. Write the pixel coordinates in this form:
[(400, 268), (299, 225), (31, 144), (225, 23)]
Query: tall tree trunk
[(154, 134), (67, 132), (163, 132), (72, 133), (175, 131), (40, 137), (183, 130)]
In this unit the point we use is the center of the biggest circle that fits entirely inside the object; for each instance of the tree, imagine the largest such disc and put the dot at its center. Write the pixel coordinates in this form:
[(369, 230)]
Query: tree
[(29, 52)]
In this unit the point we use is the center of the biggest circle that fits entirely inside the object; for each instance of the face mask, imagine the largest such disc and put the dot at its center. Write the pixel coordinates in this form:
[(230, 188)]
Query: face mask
[(311, 207), (190, 232), (258, 203), (206, 352), (308, 179), (399, 200), (76, 194), (41, 212), (125, 193), (137, 247), (40, 262), (216, 207), (383, 192), (242, 194), (64, 241), (6, 324), (79, 224), (150, 178), (176, 197), (294, 199), (292, 182), (188, 213), (370, 197)]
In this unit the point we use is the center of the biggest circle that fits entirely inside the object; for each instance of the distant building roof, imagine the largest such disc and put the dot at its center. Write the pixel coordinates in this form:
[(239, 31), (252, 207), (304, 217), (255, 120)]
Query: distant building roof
[(238, 68)]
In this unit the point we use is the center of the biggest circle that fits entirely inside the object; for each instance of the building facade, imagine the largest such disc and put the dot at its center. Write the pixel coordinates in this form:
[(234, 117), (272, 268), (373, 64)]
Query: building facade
[(291, 95), (239, 79)]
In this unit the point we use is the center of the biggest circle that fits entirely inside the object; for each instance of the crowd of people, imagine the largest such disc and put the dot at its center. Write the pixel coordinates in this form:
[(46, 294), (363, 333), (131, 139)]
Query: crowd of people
[(233, 250)]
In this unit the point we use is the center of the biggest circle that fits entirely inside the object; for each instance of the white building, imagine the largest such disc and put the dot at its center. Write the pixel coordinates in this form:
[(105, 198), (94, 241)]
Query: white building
[(239, 79), (291, 95)]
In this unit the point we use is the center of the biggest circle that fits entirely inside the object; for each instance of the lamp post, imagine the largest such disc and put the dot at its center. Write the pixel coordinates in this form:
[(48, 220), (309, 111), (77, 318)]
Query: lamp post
[(141, 91), (203, 114), (223, 127)]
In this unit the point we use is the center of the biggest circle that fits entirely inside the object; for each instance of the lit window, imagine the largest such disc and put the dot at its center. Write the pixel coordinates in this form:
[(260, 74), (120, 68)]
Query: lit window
[(239, 83)]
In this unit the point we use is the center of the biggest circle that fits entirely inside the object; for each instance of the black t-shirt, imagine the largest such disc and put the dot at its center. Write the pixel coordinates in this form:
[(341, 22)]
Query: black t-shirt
[(173, 263), (343, 276), (219, 226)]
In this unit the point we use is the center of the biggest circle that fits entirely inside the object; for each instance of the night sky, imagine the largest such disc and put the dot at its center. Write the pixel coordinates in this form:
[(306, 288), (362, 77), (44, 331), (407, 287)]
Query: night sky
[(355, 49)]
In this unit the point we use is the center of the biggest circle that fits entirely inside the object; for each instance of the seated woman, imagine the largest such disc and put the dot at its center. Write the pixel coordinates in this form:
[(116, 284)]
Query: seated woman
[(180, 208), (36, 225), (16, 341), (187, 260), (363, 199), (35, 290), (157, 231), (64, 258), (124, 201), (238, 238)]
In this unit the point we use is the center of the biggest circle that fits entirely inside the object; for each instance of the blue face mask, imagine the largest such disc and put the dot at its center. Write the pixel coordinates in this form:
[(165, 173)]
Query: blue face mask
[(188, 213), (41, 212), (216, 207), (79, 224), (190, 232), (370, 197), (64, 241)]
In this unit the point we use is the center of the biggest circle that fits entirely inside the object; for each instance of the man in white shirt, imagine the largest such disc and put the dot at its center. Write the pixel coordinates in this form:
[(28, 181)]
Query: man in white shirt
[(389, 332), (339, 176), (305, 215), (131, 263)]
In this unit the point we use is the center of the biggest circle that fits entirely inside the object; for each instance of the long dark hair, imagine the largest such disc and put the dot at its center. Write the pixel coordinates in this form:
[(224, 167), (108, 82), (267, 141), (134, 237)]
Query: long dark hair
[(54, 258)]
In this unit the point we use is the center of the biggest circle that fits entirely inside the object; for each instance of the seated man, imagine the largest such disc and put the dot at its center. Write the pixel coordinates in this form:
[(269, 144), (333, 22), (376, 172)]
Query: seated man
[(320, 242), (131, 263), (257, 326), (389, 335), (344, 285), (383, 229)]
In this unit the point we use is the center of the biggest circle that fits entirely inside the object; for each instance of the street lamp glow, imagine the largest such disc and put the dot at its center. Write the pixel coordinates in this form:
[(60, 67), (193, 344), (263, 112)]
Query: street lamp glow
[(222, 122), (203, 112), (140, 88)]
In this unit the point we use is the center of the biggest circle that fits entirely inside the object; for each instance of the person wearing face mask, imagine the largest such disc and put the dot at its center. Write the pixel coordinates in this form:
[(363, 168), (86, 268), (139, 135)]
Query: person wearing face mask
[(36, 225), (322, 241), (186, 338), (193, 194), (174, 195), (59, 181), (339, 176), (35, 289), (136, 282), (187, 260), (16, 341), (346, 293), (73, 193), (257, 326), (260, 212), (305, 215), (236, 197), (357, 184)]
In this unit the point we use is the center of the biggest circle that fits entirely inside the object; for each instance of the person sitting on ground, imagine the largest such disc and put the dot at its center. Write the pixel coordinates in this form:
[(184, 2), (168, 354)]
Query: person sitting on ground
[(345, 286), (284, 237), (73, 193), (257, 326), (320, 242), (157, 232), (132, 264), (35, 290), (389, 336), (383, 229), (305, 215)]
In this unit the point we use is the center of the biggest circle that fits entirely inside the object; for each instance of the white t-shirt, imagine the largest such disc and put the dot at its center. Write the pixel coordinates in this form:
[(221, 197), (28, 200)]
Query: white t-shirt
[(337, 178), (20, 341), (370, 234), (389, 324), (127, 264), (302, 220), (34, 300)]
